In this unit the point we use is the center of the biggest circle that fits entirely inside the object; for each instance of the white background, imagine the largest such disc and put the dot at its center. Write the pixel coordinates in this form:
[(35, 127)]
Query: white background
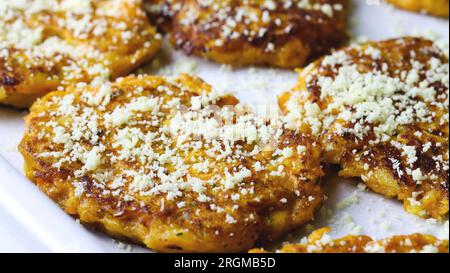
[(29, 221)]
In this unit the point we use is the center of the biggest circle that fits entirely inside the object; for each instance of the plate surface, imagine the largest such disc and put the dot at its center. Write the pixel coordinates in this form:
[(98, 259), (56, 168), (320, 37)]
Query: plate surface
[(30, 222)]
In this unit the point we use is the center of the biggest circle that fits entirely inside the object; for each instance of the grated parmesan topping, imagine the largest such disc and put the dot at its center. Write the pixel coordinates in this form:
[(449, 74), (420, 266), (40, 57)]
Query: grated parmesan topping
[(372, 96), (72, 40), (250, 20), (166, 141)]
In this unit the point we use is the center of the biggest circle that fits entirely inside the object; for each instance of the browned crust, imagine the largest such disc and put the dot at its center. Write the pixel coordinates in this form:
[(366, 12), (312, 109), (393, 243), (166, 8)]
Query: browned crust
[(311, 34), (168, 230), (160, 13), (375, 162), (24, 78)]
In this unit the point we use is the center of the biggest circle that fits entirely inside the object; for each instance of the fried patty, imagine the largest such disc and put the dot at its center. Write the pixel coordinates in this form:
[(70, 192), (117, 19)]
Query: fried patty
[(49, 44), (170, 163), (257, 32), (382, 111), (320, 242), (433, 7)]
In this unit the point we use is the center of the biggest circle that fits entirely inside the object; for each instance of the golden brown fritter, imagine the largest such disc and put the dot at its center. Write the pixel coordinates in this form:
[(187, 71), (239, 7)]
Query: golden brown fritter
[(382, 111), (433, 7), (49, 44), (320, 242), (171, 164), (258, 32)]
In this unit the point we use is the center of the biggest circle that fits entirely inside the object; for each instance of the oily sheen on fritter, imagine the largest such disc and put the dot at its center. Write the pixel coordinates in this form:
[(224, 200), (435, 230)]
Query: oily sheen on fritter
[(382, 111), (255, 32), (47, 44), (171, 164)]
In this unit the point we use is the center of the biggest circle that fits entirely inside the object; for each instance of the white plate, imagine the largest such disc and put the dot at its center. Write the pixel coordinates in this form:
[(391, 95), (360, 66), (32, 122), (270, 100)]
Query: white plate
[(29, 221)]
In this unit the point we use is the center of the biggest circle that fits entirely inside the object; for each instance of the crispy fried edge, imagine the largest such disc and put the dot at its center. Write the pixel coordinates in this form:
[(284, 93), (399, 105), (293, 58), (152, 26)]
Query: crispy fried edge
[(437, 205), (24, 93), (91, 214), (293, 53)]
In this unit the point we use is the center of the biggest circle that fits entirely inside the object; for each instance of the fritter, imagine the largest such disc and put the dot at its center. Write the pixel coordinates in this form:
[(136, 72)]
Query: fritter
[(433, 7), (45, 45), (258, 32), (320, 242), (172, 164), (382, 111)]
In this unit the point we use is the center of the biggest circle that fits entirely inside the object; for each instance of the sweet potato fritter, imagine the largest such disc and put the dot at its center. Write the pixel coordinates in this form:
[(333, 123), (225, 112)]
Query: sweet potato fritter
[(257, 32), (433, 7), (165, 162), (320, 242), (49, 44), (382, 109)]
